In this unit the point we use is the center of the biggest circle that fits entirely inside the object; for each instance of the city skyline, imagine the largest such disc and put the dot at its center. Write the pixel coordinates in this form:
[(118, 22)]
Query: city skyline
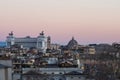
[(89, 21)]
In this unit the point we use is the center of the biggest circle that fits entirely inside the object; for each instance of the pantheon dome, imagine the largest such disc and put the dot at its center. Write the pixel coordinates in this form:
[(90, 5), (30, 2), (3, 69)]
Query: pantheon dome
[(72, 43)]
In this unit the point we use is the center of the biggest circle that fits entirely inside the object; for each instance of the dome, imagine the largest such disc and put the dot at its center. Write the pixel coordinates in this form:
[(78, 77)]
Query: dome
[(72, 43)]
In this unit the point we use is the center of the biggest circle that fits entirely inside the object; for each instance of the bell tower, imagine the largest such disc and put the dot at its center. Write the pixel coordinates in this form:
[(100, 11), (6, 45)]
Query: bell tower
[(48, 42)]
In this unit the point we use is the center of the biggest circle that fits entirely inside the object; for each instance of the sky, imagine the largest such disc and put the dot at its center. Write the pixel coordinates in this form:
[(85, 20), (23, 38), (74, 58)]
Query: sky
[(89, 21)]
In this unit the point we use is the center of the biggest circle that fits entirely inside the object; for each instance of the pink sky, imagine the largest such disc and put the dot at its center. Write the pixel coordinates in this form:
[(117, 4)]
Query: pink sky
[(89, 21)]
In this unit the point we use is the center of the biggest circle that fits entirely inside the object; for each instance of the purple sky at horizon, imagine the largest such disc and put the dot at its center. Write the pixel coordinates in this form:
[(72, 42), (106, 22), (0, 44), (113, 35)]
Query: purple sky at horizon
[(89, 21)]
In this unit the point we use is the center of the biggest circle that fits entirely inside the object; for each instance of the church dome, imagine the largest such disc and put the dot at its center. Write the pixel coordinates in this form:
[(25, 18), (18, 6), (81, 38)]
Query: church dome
[(72, 43)]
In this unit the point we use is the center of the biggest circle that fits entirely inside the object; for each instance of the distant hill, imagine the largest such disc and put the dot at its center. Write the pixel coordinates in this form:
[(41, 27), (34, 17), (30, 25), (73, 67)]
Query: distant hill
[(2, 44)]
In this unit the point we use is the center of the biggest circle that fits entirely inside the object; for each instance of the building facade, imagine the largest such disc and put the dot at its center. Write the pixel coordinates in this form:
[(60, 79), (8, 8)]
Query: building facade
[(39, 42), (52, 74), (5, 70)]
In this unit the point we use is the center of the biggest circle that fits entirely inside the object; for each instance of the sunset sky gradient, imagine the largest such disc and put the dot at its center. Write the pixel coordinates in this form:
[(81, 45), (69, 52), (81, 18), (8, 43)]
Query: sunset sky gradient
[(89, 21)]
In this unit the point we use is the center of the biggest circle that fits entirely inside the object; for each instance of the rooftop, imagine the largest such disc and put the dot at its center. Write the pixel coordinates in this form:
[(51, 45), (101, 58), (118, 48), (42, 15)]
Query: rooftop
[(4, 66)]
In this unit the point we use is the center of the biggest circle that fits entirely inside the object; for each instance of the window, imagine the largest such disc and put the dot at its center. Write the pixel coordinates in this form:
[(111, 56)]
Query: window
[(53, 73), (45, 73), (71, 77), (52, 79), (60, 73)]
